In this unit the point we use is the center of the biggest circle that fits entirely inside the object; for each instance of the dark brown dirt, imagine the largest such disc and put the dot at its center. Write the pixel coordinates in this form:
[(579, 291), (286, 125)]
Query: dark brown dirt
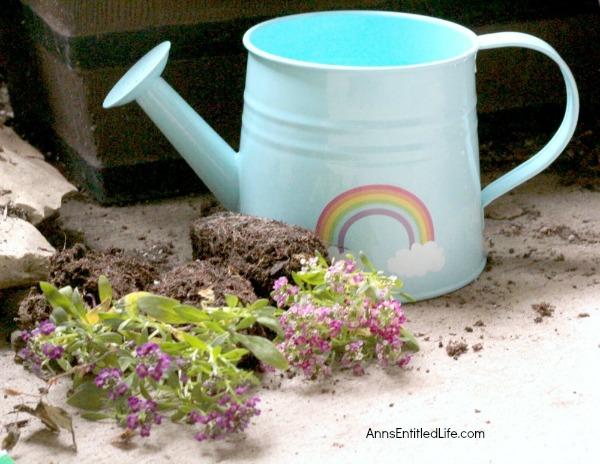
[(80, 268), (509, 138), (259, 249), (235, 254), (204, 282), (456, 348), (543, 310)]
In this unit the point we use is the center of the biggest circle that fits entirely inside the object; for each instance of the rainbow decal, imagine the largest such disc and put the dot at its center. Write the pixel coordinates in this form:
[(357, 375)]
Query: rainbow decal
[(383, 200)]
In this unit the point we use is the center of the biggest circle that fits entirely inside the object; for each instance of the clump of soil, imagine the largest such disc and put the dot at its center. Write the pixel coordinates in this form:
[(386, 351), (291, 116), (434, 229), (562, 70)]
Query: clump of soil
[(204, 281), (235, 254), (259, 249), (80, 267), (456, 348), (543, 309)]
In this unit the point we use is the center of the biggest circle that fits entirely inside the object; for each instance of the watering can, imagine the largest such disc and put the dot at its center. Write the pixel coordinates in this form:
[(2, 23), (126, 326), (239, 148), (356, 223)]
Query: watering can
[(361, 126)]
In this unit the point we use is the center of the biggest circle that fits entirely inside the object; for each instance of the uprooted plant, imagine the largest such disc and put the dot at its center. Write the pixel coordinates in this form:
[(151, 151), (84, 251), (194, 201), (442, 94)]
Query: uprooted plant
[(341, 316), (144, 357)]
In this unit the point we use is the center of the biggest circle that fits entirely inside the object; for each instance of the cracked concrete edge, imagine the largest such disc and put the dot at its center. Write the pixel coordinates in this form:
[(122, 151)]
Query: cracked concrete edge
[(24, 253), (31, 191), (27, 182)]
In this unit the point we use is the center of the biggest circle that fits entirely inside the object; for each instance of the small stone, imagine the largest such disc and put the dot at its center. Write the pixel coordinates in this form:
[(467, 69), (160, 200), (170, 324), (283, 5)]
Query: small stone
[(504, 211)]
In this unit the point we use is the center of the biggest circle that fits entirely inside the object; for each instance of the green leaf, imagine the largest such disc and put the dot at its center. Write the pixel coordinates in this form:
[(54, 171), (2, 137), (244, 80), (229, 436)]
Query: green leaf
[(314, 277), (267, 311), (258, 305), (173, 381), (218, 340), (104, 289), (245, 323), (201, 366), (133, 336), (178, 415), (95, 416), (222, 315), (111, 337), (172, 348), (161, 308), (264, 350), (78, 302), (125, 362), (235, 354), (272, 324), (93, 315), (410, 344), (216, 352), (58, 300), (366, 262), (194, 342), (191, 314), (231, 300), (67, 292), (64, 364), (198, 394), (59, 316), (88, 397)]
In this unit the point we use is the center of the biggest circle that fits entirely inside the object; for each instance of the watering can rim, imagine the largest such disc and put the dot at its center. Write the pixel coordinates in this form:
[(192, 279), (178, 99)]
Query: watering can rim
[(254, 50)]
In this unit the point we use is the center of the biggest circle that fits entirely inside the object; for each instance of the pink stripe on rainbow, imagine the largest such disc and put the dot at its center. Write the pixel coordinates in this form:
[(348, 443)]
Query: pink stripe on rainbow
[(387, 200)]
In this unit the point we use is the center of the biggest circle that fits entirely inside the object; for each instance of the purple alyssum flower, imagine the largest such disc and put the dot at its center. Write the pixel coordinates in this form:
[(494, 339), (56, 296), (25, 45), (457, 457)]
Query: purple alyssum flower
[(111, 380), (142, 414), (234, 417), (153, 362), (52, 351), (47, 327)]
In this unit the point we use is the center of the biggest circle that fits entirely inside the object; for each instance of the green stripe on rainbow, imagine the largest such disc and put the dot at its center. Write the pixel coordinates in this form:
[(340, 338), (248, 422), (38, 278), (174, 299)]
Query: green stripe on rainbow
[(386, 200)]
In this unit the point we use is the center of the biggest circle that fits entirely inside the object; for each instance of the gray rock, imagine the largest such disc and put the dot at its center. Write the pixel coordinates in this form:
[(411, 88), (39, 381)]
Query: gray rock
[(24, 253), (27, 182), (31, 190)]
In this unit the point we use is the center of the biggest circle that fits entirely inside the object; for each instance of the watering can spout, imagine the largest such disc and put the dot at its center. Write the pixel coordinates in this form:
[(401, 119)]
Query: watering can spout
[(211, 158)]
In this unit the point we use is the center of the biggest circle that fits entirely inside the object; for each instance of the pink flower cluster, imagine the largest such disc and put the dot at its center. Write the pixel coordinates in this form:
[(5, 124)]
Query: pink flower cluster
[(345, 328)]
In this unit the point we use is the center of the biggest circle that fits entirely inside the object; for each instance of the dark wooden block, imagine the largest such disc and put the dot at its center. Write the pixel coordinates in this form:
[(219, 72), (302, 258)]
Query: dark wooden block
[(61, 57)]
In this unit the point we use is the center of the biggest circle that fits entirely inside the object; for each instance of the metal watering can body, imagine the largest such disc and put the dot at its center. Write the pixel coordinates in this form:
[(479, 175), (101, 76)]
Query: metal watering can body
[(361, 126)]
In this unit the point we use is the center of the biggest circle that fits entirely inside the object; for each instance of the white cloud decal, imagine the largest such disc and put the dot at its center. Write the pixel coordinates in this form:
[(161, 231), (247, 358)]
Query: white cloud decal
[(417, 261)]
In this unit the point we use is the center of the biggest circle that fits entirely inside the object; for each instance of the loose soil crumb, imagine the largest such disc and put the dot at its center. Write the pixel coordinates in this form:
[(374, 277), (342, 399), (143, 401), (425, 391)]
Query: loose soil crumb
[(477, 347), (543, 309), (456, 348)]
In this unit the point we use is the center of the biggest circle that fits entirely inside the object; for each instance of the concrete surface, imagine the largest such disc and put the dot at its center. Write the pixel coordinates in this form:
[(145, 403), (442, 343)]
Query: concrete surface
[(532, 388)]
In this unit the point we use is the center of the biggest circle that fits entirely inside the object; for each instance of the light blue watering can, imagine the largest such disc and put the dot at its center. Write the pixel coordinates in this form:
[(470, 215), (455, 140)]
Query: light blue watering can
[(362, 126)]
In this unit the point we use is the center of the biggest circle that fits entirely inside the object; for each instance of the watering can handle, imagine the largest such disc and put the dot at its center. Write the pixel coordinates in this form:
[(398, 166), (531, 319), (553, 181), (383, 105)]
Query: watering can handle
[(541, 160)]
